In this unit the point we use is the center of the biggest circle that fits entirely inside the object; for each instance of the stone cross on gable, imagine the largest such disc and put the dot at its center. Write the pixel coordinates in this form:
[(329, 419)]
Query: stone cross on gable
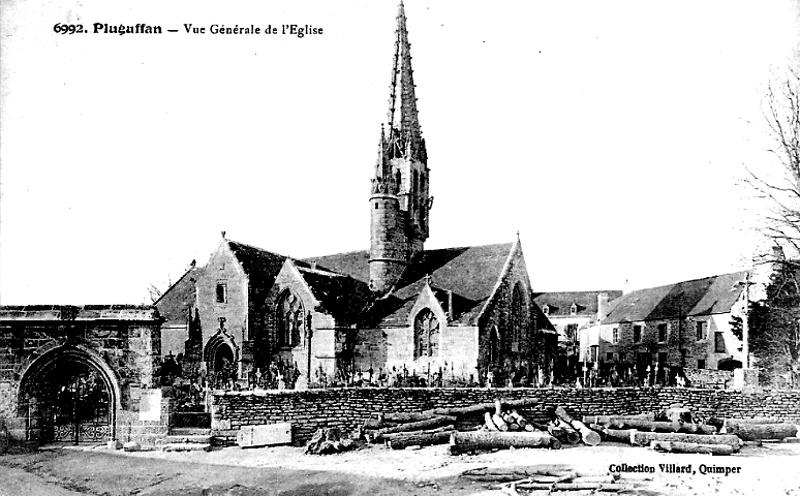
[(429, 280), (221, 323)]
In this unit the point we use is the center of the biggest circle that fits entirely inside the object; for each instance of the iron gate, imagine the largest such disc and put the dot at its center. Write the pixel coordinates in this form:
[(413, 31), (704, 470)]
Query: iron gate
[(77, 409)]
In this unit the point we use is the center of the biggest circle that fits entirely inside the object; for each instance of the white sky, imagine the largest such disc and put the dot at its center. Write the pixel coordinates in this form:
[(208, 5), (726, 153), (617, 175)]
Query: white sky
[(610, 134)]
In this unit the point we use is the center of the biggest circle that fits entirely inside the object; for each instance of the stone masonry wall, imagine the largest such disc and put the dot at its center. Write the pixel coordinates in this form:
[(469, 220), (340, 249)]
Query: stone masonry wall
[(346, 409)]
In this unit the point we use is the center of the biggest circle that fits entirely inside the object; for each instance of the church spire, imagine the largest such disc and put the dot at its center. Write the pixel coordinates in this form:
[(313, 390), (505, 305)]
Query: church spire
[(405, 134)]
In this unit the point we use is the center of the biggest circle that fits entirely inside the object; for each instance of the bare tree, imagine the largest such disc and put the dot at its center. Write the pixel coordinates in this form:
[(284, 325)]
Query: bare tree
[(775, 322)]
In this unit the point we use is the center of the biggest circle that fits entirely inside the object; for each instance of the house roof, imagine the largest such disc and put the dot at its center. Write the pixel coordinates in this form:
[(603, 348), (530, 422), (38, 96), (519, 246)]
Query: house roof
[(261, 266), (78, 313), (704, 296), (560, 302)]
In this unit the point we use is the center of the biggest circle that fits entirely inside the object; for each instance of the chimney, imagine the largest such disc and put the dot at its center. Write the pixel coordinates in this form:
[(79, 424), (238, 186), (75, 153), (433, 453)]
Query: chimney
[(313, 265), (602, 305)]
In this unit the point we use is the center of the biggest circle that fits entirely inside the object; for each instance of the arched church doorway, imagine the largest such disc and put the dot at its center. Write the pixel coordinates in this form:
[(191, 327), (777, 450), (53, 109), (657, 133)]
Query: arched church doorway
[(220, 360), (67, 397)]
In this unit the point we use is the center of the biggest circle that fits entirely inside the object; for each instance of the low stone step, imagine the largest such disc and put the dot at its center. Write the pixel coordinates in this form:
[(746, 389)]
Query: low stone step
[(190, 431), (186, 447), (198, 439)]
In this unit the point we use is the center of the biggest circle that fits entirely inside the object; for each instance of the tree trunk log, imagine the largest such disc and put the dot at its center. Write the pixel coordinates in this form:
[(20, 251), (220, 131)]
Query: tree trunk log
[(568, 433), (407, 439), (661, 426), (643, 438), (677, 415), (388, 437), (692, 448), (499, 423), (407, 417), (588, 436), (760, 432), (461, 442), (487, 416), (607, 420), (603, 487), (419, 425)]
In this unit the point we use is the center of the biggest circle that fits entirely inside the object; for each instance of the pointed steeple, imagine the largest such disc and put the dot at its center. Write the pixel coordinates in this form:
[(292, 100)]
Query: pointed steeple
[(405, 135)]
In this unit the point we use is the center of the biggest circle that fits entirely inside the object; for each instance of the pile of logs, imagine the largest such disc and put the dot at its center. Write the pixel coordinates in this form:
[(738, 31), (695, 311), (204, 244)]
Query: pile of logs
[(328, 441), (760, 429), (503, 427)]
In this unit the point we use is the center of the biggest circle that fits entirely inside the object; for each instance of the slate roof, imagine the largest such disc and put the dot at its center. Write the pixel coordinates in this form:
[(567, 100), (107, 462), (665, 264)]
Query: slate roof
[(261, 266), (470, 273), (341, 296), (78, 313), (560, 302), (704, 296), (172, 305)]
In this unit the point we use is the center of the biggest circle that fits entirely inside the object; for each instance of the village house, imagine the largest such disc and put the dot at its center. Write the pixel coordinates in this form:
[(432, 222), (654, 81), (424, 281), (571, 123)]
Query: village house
[(650, 335), (395, 312), (570, 312)]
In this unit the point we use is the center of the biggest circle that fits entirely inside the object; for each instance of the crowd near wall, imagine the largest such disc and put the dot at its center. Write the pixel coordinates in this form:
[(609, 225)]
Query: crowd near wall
[(347, 409)]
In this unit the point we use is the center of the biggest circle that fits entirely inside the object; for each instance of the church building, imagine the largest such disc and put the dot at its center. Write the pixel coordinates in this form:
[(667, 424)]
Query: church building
[(456, 316)]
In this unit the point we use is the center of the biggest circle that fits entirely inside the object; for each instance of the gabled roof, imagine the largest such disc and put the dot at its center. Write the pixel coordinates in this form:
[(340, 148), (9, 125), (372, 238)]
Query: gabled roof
[(261, 266), (173, 304), (341, 296), (560, 302), (704, 296), (471, 273)]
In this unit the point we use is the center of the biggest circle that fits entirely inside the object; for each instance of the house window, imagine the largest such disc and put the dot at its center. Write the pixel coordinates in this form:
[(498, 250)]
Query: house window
[(571, 331), (615, 335), (594, 350), (701, 330), (719, 342), (290, 320), (637, 333), (701, 364), (610, 357), (573, 309), (222, 293), (662, 332), (546, 310), (426, 334)]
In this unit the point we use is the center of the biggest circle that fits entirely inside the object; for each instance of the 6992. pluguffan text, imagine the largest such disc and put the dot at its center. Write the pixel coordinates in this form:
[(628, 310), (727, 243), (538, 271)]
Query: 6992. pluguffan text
[(298, 30)]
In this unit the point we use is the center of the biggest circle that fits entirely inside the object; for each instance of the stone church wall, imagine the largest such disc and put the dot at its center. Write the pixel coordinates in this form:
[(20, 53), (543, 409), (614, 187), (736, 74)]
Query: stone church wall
[(346, 409)]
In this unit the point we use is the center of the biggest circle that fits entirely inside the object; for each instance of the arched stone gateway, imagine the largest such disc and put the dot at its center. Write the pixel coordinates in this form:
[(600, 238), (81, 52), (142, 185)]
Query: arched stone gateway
[(69, 394), (221, 357)]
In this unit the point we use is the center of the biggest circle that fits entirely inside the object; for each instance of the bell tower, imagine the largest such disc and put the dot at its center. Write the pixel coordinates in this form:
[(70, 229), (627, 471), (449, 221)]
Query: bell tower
[(399, 200)]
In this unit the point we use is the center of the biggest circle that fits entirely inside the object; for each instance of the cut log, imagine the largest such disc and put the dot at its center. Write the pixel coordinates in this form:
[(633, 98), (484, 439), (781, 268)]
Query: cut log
[(407, 417), (489, 423), (388, 437), (461, 442), (416, 426), (601, 487), (499, 423), (643, 439), (374, 424), (760, 431), (660, 426), (608, 420), (720, 422), (692, 448), (567, 433), (588, 436), (401, 441)]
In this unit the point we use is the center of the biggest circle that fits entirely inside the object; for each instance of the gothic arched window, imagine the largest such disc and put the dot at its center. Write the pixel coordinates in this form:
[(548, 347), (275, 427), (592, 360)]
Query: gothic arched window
[(426, 334), (519, 315), (290, 319)]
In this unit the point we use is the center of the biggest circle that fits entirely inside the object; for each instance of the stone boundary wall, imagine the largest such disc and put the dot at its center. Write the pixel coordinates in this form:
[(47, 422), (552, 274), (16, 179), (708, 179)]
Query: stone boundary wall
[(348, 408), (709, 378)]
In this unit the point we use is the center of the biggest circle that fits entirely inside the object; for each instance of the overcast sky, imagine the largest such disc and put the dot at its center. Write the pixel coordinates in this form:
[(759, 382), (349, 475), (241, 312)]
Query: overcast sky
[(609, 134)]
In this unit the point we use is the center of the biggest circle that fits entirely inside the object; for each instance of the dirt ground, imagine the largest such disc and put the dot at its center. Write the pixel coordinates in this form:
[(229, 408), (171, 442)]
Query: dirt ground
[(772, 469)]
